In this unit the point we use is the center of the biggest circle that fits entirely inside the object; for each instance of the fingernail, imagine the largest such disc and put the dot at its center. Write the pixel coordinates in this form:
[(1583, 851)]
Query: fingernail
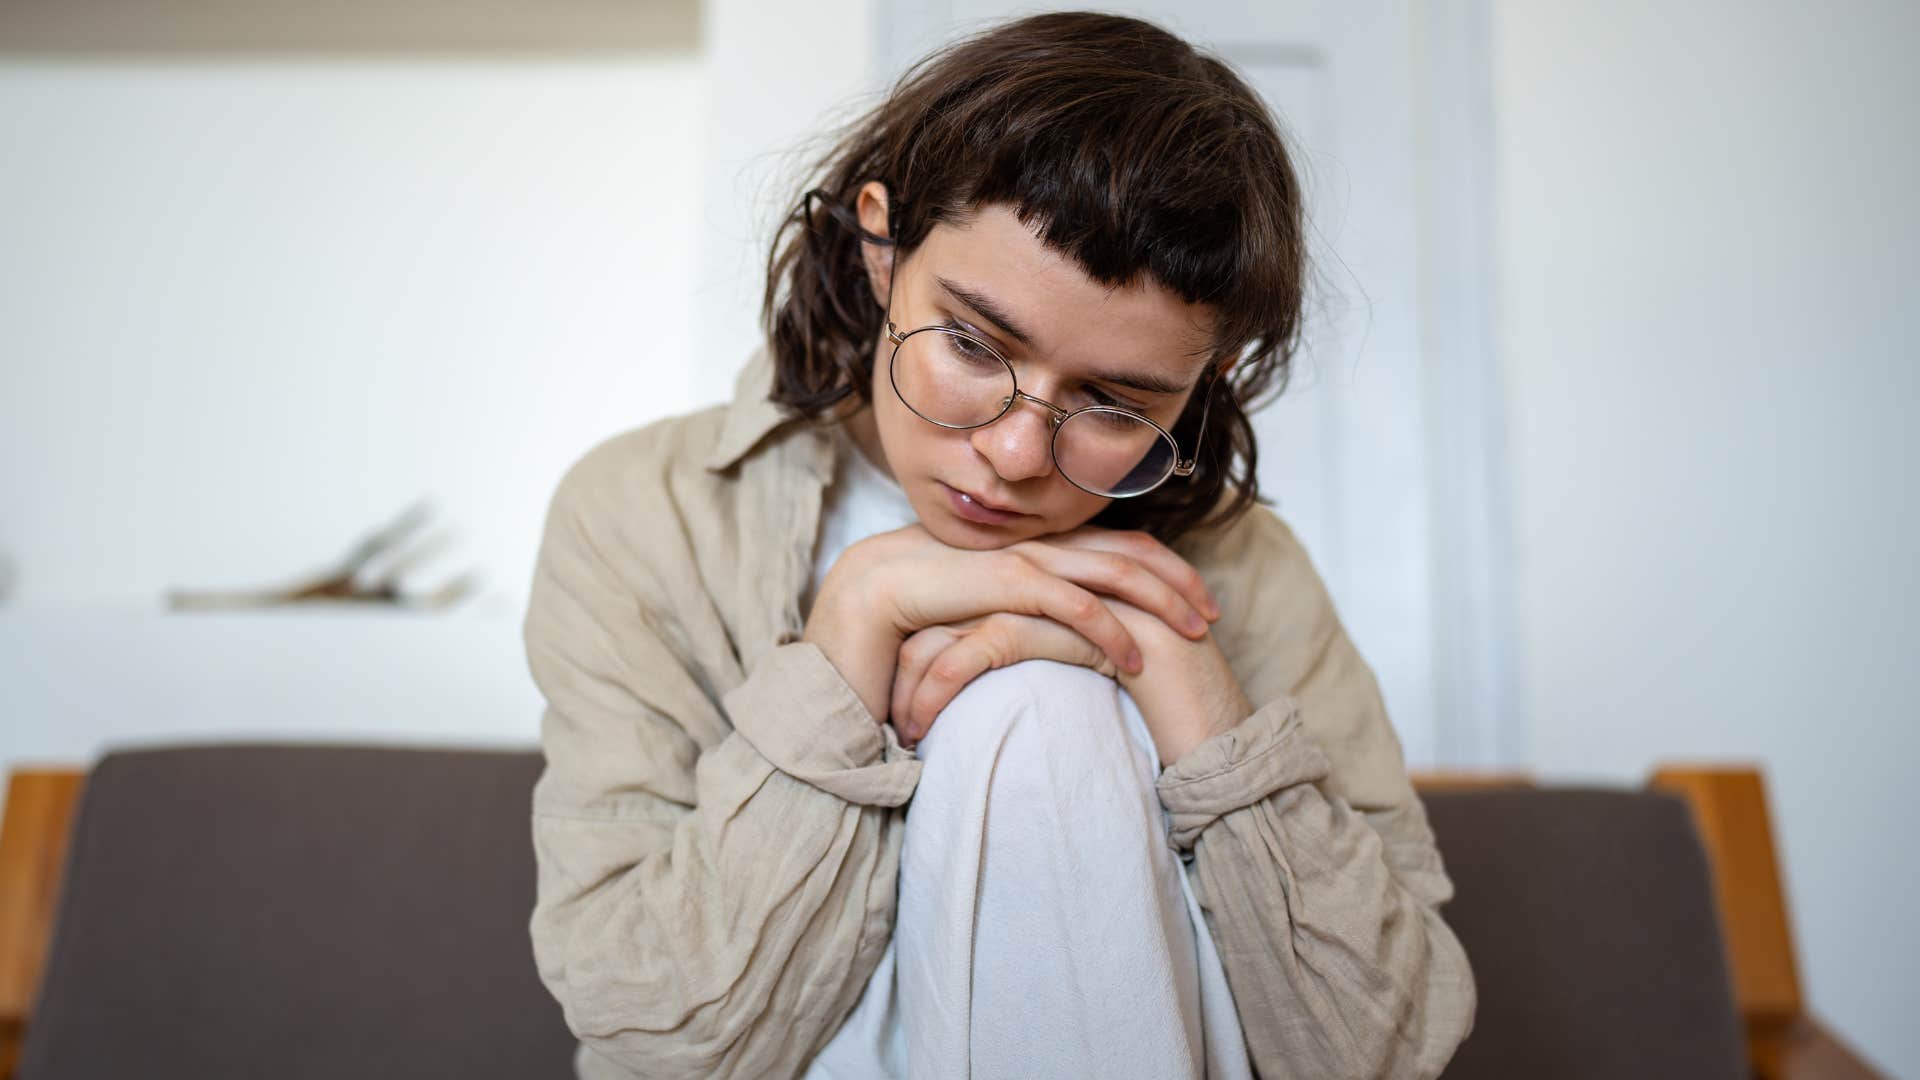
[(1196, 624), (1213, 609), (1134, 663)]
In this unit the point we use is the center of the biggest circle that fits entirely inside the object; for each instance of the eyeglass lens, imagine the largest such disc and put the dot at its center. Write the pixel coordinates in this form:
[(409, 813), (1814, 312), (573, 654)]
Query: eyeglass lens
[(950, 380)]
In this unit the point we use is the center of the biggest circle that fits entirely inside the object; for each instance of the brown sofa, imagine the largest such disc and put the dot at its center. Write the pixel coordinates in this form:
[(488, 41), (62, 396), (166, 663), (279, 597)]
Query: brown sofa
[(331, 911)]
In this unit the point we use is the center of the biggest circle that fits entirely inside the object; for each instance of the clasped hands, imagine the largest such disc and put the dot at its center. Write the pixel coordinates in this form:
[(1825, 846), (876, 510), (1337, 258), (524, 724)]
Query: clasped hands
[(909, 621)]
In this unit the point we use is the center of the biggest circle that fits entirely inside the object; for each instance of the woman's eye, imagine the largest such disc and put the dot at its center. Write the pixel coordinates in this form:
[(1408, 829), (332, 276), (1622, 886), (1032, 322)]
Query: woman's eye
[(962, 343), (970, 353), (1097, 396), (965, 345)]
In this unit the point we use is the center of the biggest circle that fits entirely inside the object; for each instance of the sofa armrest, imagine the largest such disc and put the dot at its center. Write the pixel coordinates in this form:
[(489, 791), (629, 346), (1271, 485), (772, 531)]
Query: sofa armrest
[(33, 854), (1804, 1050), (1784, 1042)]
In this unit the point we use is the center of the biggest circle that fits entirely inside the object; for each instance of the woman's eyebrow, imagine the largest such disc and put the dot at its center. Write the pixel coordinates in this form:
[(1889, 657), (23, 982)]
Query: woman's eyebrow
[(991, 311), (987, 308), (1145, 383)]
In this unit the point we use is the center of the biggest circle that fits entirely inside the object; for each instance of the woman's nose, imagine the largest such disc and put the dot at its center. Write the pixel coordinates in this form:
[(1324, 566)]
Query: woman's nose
[(1019, 445)]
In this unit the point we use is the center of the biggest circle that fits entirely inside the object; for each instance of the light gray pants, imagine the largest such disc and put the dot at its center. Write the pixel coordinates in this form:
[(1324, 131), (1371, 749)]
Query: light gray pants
[(1045, 928)]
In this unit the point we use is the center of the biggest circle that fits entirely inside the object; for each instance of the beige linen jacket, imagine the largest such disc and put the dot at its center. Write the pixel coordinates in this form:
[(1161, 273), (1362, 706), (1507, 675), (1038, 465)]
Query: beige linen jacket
[(719, 822)]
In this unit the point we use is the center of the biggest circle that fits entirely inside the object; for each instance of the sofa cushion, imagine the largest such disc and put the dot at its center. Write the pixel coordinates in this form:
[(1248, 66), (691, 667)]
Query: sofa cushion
[(1589, 918), (298, 911)]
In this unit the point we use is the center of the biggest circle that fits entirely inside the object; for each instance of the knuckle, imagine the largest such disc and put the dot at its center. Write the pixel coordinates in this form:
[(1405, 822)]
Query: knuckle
[(915, 654), (945, 671), (1085, 607), (1114, 567), (996, 638), (1001, 648)]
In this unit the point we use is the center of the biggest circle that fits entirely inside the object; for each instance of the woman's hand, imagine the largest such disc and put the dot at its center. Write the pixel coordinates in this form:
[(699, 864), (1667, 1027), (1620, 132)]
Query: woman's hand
[(889, 586), (937, 661), (1186, 691)]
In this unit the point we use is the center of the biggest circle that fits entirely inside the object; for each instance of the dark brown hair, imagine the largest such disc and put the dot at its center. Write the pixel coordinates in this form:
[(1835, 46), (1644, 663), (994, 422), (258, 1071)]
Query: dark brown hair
[(1128, 151)]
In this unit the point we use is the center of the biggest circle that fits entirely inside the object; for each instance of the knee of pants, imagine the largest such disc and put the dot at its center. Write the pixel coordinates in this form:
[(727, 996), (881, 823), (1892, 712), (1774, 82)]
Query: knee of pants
[(1037, 729)]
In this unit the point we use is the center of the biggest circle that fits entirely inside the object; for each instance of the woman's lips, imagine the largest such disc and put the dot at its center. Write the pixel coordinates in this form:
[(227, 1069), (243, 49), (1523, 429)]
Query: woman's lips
[(972, 509)]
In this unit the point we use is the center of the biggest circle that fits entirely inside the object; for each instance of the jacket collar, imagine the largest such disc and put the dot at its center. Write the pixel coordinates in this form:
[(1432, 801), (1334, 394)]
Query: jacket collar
[(752, 415)]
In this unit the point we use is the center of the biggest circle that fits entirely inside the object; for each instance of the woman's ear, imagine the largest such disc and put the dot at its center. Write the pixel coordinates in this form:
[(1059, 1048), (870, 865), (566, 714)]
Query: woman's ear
[(871, 206)]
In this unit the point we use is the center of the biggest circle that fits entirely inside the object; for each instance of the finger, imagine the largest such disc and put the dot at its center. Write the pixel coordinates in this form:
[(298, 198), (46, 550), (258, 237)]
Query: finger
[(990, 646), (1022, 637), (1120, 574), (962, 662), (910, 665), (1004, 580), (1027, 589), (1156, 556), (1001, 639)]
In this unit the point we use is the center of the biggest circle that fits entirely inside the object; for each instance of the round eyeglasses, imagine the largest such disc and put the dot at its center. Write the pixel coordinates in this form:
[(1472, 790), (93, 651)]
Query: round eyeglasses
[(952, 379)]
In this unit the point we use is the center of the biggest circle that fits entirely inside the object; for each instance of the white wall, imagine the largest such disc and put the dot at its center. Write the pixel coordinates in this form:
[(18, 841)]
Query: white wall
[(268, 278), (1709, 305), (778, 76), (254, 306)]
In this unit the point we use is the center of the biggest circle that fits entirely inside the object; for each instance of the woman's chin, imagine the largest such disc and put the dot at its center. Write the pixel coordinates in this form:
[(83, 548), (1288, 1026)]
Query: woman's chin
[(957, 532)]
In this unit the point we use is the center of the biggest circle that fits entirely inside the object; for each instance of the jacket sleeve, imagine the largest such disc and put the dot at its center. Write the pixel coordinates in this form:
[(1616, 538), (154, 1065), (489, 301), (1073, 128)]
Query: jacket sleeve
[(1313, 862), (715, 868)]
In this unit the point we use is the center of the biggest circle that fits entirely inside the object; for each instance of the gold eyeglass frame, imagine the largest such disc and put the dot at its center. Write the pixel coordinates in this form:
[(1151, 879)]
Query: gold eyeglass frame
[(1056, 415)]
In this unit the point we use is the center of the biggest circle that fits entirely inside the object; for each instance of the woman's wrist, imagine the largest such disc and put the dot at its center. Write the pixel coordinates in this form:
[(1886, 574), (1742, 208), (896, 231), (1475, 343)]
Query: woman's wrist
[(859, 646), (1179, 743)]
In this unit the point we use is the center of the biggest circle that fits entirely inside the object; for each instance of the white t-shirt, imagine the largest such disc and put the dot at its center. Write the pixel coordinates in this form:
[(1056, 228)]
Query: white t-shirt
[(861, 501)]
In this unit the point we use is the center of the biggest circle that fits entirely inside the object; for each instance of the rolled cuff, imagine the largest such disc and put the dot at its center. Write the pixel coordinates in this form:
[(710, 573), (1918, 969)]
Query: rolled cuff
[(1264, 753), (800, 714)]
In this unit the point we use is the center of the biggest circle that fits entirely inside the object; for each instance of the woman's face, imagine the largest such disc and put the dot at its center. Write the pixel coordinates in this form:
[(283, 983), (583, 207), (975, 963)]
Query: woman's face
[(1084, 344)]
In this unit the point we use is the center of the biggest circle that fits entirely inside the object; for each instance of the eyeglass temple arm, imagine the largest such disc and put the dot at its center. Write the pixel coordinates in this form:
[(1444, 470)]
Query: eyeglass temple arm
[(1185, 468)]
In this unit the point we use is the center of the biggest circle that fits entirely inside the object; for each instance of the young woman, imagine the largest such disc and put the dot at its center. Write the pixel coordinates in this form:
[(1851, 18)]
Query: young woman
[(948, 703)]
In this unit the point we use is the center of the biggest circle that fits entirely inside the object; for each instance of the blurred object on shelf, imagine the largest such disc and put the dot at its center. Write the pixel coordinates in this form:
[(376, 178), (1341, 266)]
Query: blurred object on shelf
[(370, 574)]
